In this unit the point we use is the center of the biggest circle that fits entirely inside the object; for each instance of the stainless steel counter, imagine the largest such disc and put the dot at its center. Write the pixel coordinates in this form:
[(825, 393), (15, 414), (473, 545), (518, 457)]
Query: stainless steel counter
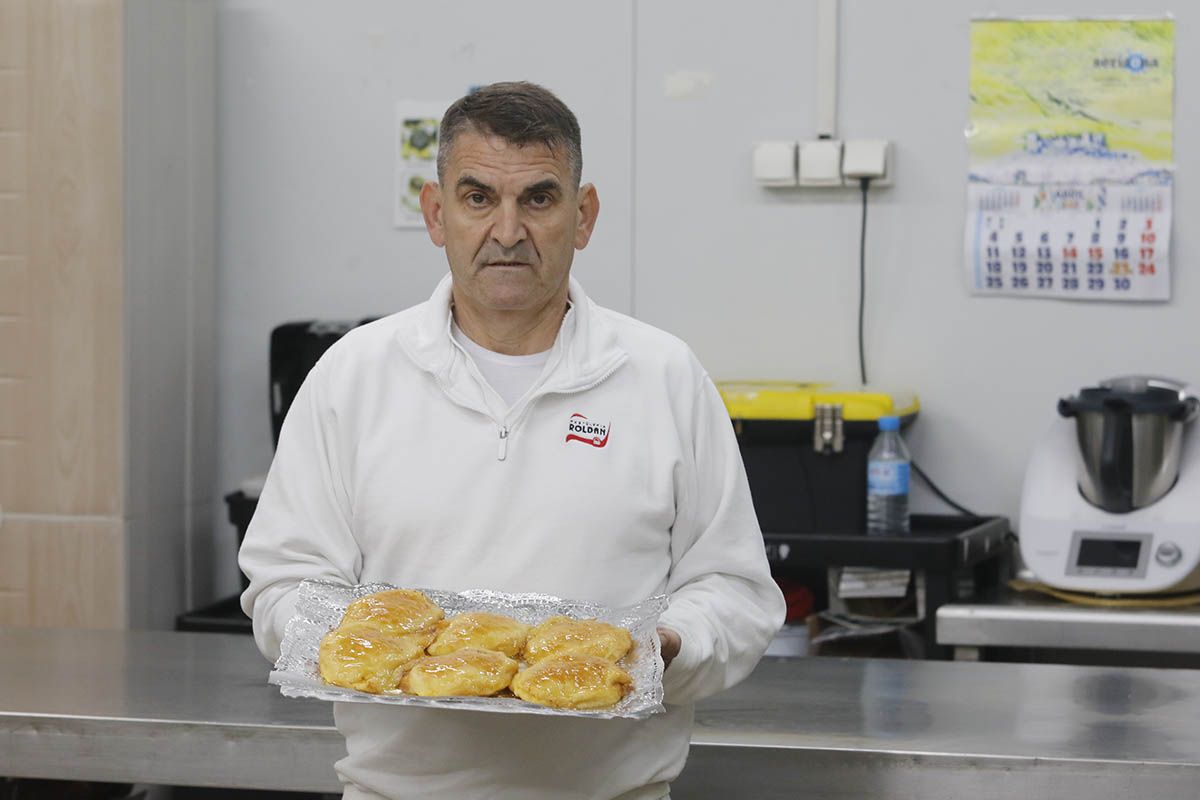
[(156, 707), (195, 709)]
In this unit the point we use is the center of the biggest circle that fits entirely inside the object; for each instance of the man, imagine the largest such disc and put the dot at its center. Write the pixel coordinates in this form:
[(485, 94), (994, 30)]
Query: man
[(509, 434)]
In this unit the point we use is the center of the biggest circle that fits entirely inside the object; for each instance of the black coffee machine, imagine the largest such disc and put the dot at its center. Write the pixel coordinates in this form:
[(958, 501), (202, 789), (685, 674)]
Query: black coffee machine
[(294, 350)]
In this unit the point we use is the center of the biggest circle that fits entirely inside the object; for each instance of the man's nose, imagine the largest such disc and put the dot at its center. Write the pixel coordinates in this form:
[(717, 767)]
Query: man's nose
[(509, 227)]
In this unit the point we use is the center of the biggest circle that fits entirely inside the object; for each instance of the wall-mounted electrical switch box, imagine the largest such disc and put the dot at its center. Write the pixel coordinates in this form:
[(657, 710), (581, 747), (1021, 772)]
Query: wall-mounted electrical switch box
[(775, 163)]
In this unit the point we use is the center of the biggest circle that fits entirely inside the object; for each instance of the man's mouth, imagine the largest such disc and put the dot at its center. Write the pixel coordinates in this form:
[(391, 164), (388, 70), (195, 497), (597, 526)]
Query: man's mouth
[(507, 264)]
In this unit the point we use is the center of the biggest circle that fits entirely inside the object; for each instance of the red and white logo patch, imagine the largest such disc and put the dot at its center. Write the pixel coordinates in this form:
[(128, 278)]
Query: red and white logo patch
[(582, 429)]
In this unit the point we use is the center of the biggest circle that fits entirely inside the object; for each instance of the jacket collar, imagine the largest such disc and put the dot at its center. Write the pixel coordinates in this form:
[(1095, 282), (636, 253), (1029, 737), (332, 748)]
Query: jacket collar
[(585, 350)]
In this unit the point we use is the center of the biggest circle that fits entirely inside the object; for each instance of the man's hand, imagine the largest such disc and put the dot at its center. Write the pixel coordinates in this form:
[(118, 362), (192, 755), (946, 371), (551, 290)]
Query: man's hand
[(670, 645)]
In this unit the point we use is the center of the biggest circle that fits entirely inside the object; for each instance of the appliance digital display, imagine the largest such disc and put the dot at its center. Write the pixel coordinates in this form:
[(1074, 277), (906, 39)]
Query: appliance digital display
[(1114, 553)]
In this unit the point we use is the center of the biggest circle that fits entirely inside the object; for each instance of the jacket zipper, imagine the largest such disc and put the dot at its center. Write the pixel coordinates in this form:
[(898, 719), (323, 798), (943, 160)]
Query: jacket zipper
[(503, 452)]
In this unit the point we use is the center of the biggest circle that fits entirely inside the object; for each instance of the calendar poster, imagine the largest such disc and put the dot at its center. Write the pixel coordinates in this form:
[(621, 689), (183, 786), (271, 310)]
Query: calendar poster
[(1071, 162)]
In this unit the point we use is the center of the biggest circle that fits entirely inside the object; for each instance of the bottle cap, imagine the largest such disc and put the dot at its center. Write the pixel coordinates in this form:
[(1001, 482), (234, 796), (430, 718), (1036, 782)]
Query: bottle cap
[(889, 423)]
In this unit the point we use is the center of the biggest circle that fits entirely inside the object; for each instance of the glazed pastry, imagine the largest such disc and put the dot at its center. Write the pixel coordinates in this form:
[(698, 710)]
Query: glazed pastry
[(575, 681), (396, 611), (363, 657), (561, 635), (482, 630), (469, 672)]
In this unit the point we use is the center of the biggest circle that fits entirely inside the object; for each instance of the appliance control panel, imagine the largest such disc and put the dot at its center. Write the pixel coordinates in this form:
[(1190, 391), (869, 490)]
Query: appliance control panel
[(1108, 554)]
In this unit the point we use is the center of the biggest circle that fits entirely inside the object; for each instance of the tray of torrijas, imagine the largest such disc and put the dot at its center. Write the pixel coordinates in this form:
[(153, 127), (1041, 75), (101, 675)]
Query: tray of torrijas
[(479, 649)]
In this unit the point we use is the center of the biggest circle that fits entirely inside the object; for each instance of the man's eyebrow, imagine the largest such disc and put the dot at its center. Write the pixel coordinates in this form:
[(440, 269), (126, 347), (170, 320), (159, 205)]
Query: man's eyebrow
[(548, 185), (467, 180)]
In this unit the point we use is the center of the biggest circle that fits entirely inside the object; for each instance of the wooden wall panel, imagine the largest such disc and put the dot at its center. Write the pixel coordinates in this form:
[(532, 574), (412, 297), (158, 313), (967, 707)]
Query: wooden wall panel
[(14, 347), (14, 573), (62, 538), (14, 409), (62, 573), (14, 293), (12, 449), (14, 16), (74, 73), (14, 225), (14, 100), (14, 286), (13, 173)]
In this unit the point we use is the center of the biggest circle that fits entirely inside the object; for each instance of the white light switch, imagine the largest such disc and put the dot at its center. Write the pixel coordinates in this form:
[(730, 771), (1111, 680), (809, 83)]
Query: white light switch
[(821, 163), (775, 163), (867, 158)]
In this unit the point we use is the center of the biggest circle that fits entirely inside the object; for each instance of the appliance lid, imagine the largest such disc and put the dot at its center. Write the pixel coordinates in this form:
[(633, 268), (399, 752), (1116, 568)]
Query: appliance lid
[(1134, 395)]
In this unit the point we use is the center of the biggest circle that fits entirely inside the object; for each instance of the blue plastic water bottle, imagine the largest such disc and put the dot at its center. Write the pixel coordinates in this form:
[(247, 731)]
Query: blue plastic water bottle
[(887, 481)]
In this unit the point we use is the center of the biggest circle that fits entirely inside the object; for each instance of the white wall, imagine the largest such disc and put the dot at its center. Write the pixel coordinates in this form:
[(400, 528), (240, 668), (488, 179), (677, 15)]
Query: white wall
[(761, 284), (765, 284)]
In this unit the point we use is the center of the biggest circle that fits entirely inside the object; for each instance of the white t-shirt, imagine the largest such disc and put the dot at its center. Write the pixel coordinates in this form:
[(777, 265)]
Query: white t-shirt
[(509, 376)]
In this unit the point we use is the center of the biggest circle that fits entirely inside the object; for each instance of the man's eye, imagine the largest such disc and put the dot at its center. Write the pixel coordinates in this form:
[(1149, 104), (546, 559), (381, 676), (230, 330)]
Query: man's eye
[(540, 199), (476, 198)]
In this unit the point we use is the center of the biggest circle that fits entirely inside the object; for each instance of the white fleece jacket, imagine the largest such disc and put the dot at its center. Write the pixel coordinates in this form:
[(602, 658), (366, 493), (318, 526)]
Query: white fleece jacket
[(394, 465)]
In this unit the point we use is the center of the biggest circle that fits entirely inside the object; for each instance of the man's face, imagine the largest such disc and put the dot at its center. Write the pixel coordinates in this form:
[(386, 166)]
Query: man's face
[(510, 219)]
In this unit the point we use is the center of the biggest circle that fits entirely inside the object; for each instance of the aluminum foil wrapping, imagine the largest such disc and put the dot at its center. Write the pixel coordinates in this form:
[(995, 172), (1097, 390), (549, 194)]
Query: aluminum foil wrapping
[(321, 605)]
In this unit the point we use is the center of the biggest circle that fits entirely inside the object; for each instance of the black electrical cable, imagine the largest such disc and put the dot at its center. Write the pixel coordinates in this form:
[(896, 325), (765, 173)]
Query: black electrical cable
[(865, 183), (942, 495)]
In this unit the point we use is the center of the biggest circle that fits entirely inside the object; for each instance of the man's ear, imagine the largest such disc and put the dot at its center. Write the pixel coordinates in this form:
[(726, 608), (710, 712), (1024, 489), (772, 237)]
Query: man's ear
[(431, 210), (589, 209)]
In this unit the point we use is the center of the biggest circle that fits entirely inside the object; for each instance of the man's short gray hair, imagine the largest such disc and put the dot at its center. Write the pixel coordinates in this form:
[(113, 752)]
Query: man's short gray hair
[(518, 112)]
